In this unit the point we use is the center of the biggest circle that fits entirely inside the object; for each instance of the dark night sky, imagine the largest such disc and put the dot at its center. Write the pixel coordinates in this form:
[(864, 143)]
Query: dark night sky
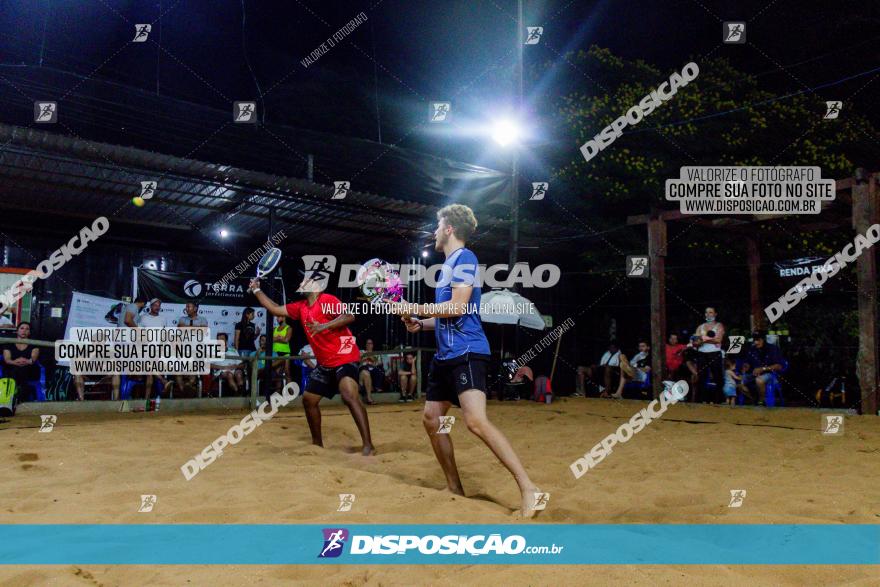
[(423, 51)]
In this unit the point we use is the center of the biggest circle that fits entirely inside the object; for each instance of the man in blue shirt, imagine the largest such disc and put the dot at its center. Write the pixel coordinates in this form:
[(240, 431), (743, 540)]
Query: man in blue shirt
[(761, 363), (458, 371)]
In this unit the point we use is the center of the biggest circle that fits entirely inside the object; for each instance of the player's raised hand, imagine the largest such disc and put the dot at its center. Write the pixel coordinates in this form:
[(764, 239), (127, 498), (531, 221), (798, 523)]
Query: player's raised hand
[(254, 284)]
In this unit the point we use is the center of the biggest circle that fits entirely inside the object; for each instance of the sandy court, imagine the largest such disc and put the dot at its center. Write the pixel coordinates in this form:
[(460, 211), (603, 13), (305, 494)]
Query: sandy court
[(680, 469)]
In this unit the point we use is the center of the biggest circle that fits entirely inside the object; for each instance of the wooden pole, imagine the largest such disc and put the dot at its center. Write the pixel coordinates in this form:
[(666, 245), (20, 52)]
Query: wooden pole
[(864, 196), (555, 355), (657, 259), (754, 261)]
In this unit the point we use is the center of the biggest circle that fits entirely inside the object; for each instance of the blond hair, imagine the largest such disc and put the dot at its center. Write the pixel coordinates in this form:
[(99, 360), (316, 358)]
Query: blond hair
[(461, 218)]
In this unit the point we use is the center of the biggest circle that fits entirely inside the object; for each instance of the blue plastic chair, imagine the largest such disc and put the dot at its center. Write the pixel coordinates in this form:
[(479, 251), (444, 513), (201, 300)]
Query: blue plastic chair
[(773, 391), (126, 385), (39, 385), (639, 386)]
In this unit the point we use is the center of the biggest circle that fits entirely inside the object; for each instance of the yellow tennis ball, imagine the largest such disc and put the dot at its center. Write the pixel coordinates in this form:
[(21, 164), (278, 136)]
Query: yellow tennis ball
[(137, 201)]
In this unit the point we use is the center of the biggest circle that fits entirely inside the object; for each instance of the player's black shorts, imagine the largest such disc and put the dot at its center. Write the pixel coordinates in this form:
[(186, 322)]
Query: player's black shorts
[(325, 380), (450, 377)]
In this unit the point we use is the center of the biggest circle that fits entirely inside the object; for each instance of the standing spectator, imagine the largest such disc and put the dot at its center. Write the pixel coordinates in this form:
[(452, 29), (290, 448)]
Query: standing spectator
[(636, 370), (152, 319), (281, 335), (190, 319), (761, 363), (129, 314), (711, 333), (408, 378), (731, 380), (246, 333), (674, 356), (601, 375), (20, 363)]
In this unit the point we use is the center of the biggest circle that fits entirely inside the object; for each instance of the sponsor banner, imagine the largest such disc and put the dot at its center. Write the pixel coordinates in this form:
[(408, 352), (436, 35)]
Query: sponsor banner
[(88, 311), (800, 268), (170, 286), (354, 544)]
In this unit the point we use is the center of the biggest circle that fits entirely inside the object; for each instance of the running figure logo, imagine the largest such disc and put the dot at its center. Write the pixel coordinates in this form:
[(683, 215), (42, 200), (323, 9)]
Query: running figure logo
[(539, 190), (47, 423), (734, 32), (832, 424), (636, 266), (141, 32), (334, 541), (147, 503), (341, 189), (46, 112), (346, 500), (148, 188), (318, 269), (440, 111), (736, 344), (541, 500), (446, 423), (245, 112), (346, 344), (833, 109), (737, 496), (534, 34)]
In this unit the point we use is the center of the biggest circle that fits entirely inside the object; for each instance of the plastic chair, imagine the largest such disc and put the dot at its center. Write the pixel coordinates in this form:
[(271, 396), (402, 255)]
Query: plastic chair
[(773, 395), (639, 386), (39, 385)]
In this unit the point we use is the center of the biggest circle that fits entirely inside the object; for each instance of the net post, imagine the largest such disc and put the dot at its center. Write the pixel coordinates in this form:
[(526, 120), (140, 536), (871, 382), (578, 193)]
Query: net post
[(419, 372), (255, 361)]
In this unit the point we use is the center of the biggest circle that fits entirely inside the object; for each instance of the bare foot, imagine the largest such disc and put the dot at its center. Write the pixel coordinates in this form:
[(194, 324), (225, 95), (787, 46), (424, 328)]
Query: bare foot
[(456, 490), (529, 501), (368, 450)]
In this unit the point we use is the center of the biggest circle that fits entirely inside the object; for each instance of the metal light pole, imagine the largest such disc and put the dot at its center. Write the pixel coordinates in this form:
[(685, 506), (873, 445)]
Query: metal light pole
[(514, 179)]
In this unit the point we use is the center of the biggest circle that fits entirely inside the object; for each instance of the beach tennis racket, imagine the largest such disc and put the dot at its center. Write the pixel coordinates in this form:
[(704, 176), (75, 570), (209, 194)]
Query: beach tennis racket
[(268, 262), (380, 282)]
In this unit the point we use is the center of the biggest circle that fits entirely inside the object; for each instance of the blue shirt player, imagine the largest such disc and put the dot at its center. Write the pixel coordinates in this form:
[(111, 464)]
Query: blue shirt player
[(458, 370)]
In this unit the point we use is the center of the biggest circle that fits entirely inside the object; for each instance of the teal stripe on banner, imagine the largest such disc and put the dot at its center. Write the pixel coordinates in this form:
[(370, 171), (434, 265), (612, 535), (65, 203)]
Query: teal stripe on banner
[(581, 544)]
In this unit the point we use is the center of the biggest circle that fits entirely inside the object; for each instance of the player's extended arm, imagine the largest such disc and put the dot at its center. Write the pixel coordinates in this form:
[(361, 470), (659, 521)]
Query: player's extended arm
[(457, 306), (264, 300)]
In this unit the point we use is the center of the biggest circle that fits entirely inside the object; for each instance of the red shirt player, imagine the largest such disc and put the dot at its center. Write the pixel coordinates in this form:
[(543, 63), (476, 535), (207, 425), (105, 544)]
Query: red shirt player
[(326, 328)]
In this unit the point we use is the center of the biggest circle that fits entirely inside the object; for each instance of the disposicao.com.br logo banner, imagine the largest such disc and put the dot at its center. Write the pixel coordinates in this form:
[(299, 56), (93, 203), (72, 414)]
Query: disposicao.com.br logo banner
[(432, 544)]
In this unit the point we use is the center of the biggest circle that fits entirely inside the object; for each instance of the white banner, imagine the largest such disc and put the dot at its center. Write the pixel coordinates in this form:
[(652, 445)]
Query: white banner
[(88, 311)]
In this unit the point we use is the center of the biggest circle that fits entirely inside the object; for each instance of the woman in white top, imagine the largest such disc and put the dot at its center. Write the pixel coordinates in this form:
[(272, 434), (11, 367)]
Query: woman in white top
[(710, 360)]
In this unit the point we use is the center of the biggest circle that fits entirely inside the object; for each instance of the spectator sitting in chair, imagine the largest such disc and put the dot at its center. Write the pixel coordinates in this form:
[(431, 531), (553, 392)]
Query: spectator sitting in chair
[(408, 378), (371, 375), (601, 375), (229, 369), (635, 370), (833, 395), (79, 382), (761, 362), (20, 363)]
